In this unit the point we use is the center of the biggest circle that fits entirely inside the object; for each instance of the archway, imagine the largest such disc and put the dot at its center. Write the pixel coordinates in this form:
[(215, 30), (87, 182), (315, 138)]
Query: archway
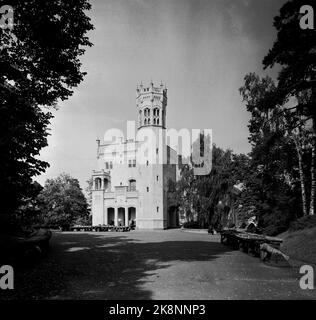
[(173, 217), (111, 216), (97, 183), (121, 217), (132, 217)]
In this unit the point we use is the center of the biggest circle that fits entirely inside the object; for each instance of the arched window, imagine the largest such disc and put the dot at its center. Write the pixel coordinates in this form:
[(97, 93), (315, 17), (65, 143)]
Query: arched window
[(106, 184), (140, 116), (132, 185), (97, 183), (156, 116)]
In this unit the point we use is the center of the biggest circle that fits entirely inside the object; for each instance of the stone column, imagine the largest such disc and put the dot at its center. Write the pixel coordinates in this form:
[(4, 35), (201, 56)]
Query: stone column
[(102, 183), (126, 216), (115, 216), (105, 216)]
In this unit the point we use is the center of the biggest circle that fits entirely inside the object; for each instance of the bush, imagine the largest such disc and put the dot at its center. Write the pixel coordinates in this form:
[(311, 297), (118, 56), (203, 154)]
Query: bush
[(191, 225), (306, 222), (274, 230)]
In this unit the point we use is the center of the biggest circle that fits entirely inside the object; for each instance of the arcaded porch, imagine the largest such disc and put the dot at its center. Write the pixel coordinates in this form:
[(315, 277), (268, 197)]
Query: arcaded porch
[(120, 216)]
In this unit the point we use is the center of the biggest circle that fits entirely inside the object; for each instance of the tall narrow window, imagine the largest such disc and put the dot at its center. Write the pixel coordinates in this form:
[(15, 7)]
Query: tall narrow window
[(147, 189), (132, 185)]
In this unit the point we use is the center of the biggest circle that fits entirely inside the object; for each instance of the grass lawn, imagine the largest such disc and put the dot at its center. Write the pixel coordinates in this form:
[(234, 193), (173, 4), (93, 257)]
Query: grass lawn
[(300, 245)]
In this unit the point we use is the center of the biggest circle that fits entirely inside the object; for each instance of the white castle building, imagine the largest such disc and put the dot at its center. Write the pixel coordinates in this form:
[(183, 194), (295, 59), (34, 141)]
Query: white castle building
[(127, 187)]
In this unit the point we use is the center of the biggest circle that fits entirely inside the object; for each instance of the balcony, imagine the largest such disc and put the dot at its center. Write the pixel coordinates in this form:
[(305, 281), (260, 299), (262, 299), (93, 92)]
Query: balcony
[(109, 195), (132, 194)]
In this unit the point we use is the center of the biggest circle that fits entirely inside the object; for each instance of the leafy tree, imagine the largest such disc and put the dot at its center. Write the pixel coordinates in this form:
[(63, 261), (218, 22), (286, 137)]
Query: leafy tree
[(198, 196), (295, 51), (89, 192), (28, 213), (185, 192), (39, 66), (274, 181), (62, 202)]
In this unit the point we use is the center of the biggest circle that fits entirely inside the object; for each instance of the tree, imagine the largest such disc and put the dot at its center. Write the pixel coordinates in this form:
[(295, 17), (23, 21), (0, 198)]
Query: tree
[(89, 192), (39, 66), (275, 174), (295, 51), (198, 196), (62, 202)]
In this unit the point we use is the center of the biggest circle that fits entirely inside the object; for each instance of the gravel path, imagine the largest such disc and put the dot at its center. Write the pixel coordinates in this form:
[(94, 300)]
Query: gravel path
[(168, 264)]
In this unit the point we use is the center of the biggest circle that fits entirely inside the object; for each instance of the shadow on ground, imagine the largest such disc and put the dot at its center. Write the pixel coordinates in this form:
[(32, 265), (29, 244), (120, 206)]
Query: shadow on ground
[(98, 266)]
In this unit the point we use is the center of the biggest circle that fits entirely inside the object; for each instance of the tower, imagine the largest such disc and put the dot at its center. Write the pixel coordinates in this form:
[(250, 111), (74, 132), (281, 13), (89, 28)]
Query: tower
[(151, 105)]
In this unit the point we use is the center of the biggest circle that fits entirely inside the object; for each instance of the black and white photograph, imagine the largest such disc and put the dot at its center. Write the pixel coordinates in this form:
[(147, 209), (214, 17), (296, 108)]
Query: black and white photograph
[(157, 150)]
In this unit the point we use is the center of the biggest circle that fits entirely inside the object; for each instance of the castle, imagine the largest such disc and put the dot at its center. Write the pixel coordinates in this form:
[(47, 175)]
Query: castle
[(129, 187)]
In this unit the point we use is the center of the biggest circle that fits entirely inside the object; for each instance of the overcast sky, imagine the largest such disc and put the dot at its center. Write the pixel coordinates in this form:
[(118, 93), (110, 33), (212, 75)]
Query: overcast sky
[(201, 49)]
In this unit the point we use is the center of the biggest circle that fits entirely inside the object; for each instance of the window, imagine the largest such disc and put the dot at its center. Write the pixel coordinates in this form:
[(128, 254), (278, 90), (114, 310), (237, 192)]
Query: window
[(147, 189), (134, 162), (106, 165), (98, 183), (157, 178), (132, 185), (147, 162), (111, 165), (106, 184), (129, 163), (156, 116), (157, 209)]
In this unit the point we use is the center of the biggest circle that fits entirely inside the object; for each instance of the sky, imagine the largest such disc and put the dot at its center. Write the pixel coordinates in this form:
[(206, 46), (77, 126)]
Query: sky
[(201, 50)]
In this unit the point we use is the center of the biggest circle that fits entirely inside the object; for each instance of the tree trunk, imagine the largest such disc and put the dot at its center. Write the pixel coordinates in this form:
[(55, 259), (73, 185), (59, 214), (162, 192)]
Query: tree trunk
[(302, 175), (313, 180)]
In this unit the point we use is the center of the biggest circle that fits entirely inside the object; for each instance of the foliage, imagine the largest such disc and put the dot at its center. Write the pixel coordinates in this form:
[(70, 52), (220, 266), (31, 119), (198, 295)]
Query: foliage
[(62, 202), (305, 222), (89, 192), (199, 196), (274, 181), (295, 51), (39, 65)]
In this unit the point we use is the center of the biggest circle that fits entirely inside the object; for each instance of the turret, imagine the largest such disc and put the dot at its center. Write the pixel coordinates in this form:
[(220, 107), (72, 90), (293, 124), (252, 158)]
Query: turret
[(151, 104)]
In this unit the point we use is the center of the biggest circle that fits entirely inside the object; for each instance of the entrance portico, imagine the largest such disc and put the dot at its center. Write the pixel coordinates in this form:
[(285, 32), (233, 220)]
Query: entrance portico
[(120, 216)]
